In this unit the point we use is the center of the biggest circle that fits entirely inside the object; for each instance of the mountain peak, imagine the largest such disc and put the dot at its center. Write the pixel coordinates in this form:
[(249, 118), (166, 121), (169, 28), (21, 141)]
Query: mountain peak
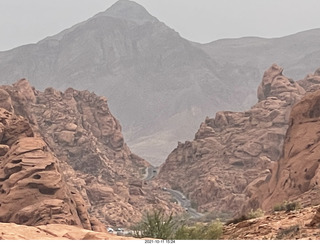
[(129, 10)]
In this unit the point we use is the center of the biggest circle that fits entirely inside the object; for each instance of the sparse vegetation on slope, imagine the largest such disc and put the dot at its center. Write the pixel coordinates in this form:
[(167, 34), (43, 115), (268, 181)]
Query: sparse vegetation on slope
[(200, 231), (286, 206), (251, 215)]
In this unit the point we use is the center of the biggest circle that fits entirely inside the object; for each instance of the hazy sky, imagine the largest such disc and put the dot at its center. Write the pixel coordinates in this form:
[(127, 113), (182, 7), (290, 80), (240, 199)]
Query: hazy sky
[(28, 21)]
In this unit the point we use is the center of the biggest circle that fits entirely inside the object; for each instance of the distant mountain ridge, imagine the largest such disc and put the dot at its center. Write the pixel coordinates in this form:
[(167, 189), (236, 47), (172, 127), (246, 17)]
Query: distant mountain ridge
[(159, 85)]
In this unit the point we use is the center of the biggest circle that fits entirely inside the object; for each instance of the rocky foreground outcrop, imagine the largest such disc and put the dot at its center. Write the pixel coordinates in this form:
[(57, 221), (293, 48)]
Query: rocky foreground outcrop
[(79, 129), (293, 225), (11, 231), (234, 148)]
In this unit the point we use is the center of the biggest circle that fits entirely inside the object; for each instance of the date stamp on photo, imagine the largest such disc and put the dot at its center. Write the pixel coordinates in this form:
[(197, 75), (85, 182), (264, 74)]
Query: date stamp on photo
[(160, 241)]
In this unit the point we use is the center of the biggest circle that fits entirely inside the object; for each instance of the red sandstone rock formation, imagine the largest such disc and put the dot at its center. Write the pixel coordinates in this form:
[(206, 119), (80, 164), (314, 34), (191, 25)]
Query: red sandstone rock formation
[(79, 128), (296, 175), (233, 149), (33, 191)]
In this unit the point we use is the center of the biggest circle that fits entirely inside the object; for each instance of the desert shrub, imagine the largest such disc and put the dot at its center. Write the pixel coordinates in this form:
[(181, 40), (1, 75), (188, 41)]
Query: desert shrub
[(279, 207), (200, 231), (251, 215), (237, 220), (288, 233), (155, 225), (255, 214), (222, 216), (286, 206), (290, 206)]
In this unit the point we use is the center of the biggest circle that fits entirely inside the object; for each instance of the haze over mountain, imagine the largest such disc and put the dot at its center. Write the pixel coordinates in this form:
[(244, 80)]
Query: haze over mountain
[(159, 85)]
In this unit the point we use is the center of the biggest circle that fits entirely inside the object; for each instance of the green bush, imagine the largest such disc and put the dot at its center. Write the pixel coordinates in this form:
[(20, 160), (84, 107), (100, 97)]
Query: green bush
[(155, 225), (210, 216), (279, 207), (255, 214), (286, 206), (199, 231)]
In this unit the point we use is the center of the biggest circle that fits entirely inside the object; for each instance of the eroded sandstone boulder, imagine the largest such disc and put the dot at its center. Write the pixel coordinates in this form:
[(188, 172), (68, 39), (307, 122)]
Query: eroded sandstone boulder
[(32, 189)]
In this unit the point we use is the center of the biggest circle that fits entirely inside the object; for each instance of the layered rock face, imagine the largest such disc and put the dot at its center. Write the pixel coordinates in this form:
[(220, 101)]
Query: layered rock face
[(296, 175), (33, 191), (234, 148), (79, 128)]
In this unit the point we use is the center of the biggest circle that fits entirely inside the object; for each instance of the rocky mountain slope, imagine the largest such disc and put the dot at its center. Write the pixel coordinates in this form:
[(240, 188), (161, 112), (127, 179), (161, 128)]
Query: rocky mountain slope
[(154, 79), (136, 61), (234, 148), (79, 128)]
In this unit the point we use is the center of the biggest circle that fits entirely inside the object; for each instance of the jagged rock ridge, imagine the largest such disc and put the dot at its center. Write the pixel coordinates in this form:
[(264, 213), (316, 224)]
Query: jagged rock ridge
[(295, 177), (233, 149), (79, 128)]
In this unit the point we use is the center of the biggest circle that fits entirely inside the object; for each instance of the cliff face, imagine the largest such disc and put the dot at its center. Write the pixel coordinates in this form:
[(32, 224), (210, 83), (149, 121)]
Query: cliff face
[(79, 128), (33, 191), (296, 175), (234, 148)]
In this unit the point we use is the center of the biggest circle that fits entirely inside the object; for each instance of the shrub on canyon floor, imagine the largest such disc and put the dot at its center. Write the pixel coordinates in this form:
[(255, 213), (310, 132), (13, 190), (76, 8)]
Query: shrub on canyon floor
[(200, 231), (155, 224), (209, 216)]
